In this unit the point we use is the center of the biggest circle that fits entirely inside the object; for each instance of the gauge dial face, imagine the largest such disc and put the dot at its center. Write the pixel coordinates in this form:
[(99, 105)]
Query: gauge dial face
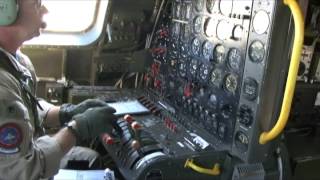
[(261, 22), (225, 7), (199, 5), (250, 89), (224, 30), (206, 49), (204, 72), (209, 27), (234, 59), (219, 54), (216, 77), (256, 51), (197, 25), (237, 32), (210, 5), (193, 67), (231, 83), (195, 46), (241, 141)]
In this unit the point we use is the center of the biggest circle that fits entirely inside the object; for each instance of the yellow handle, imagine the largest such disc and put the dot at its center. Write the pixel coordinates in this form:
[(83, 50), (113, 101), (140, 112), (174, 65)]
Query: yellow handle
[(214, 171), (292, 75)]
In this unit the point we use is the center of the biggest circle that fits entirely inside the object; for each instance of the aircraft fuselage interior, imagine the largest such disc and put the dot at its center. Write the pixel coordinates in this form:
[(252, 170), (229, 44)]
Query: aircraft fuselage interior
[(196, 85)]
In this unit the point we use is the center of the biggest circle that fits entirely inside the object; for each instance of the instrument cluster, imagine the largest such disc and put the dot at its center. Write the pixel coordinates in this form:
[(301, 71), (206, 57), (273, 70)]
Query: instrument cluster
[(212, 62)]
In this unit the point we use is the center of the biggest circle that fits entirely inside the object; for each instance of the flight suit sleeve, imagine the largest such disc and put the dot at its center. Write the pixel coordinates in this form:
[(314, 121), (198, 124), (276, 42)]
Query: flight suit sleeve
[(21, 157)]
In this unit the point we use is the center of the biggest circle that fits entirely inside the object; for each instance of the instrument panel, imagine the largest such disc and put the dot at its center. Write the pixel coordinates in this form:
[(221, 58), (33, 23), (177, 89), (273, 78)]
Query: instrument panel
[(215, 66)]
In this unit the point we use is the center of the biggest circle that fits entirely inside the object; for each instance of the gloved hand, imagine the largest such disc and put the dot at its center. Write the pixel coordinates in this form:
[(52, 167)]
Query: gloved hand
[(67, 111), (94, 121)]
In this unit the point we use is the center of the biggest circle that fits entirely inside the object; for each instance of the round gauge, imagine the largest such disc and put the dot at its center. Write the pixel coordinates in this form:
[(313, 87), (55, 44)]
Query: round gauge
[(206, 49), (250, 89), (210, 5), (183, 69), (175, 30), (241, 141), (225, 7), (197, 25), (187, 13), (224, 30), (256, 51), (204, 72), (231, 83), (245, 115), (199, 5), (234, 59), (193, 67), (195, 46), (216, 77), (186, 32), (261, 22), (219, 54), (237, 32), (209, 27)]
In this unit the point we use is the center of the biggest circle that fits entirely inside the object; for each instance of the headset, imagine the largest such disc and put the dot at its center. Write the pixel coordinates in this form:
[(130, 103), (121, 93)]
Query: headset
[(8, 12)]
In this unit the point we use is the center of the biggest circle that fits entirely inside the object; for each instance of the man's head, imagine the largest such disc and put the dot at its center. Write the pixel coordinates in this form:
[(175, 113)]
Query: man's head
[(28, 23)]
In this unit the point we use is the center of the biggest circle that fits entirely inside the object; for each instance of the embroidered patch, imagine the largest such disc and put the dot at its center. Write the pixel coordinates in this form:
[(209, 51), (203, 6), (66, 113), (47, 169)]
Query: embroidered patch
[(10, 138)]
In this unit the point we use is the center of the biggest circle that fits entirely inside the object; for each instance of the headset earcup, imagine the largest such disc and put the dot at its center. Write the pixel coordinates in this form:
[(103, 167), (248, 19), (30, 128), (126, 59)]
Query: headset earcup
[(8, 12)]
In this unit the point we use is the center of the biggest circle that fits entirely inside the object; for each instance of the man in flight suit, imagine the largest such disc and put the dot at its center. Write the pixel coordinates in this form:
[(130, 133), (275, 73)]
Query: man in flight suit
[(25, 153)]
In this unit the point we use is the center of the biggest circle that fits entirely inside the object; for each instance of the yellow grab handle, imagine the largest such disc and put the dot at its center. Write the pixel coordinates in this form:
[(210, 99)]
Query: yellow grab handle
[(292, 75), (214, 171)]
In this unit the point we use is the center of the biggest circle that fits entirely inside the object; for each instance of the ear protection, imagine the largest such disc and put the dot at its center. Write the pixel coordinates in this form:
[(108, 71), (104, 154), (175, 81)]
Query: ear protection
[(8, 12)]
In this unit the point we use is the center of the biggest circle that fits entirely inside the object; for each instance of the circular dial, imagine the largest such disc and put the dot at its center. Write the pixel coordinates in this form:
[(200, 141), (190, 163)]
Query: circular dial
[(234, 59), (245, 115), (197, 24), (241, 141), (206, 49), (204, 72), (195, 46), (216, 77), (256, 51), (250, 89), (225, 7), (210, 5), (237, 32), (209, 27), (199, 5), (193, 67), (261, 22), (231, 83), (219, 54), (224, 30)]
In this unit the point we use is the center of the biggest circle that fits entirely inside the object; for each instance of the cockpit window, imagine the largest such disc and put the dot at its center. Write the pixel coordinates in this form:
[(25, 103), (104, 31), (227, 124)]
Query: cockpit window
[(70, 15)]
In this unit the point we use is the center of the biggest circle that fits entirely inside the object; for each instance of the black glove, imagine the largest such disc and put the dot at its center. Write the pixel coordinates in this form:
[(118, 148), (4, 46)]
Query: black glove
[(94, 121), (67, 111)]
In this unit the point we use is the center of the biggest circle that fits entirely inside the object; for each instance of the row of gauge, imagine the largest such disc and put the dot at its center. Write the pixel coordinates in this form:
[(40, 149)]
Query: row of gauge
[(182, 10)]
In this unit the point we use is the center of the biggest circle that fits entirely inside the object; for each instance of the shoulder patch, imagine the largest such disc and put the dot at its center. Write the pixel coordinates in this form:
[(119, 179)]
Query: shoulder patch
[(10, 138)]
